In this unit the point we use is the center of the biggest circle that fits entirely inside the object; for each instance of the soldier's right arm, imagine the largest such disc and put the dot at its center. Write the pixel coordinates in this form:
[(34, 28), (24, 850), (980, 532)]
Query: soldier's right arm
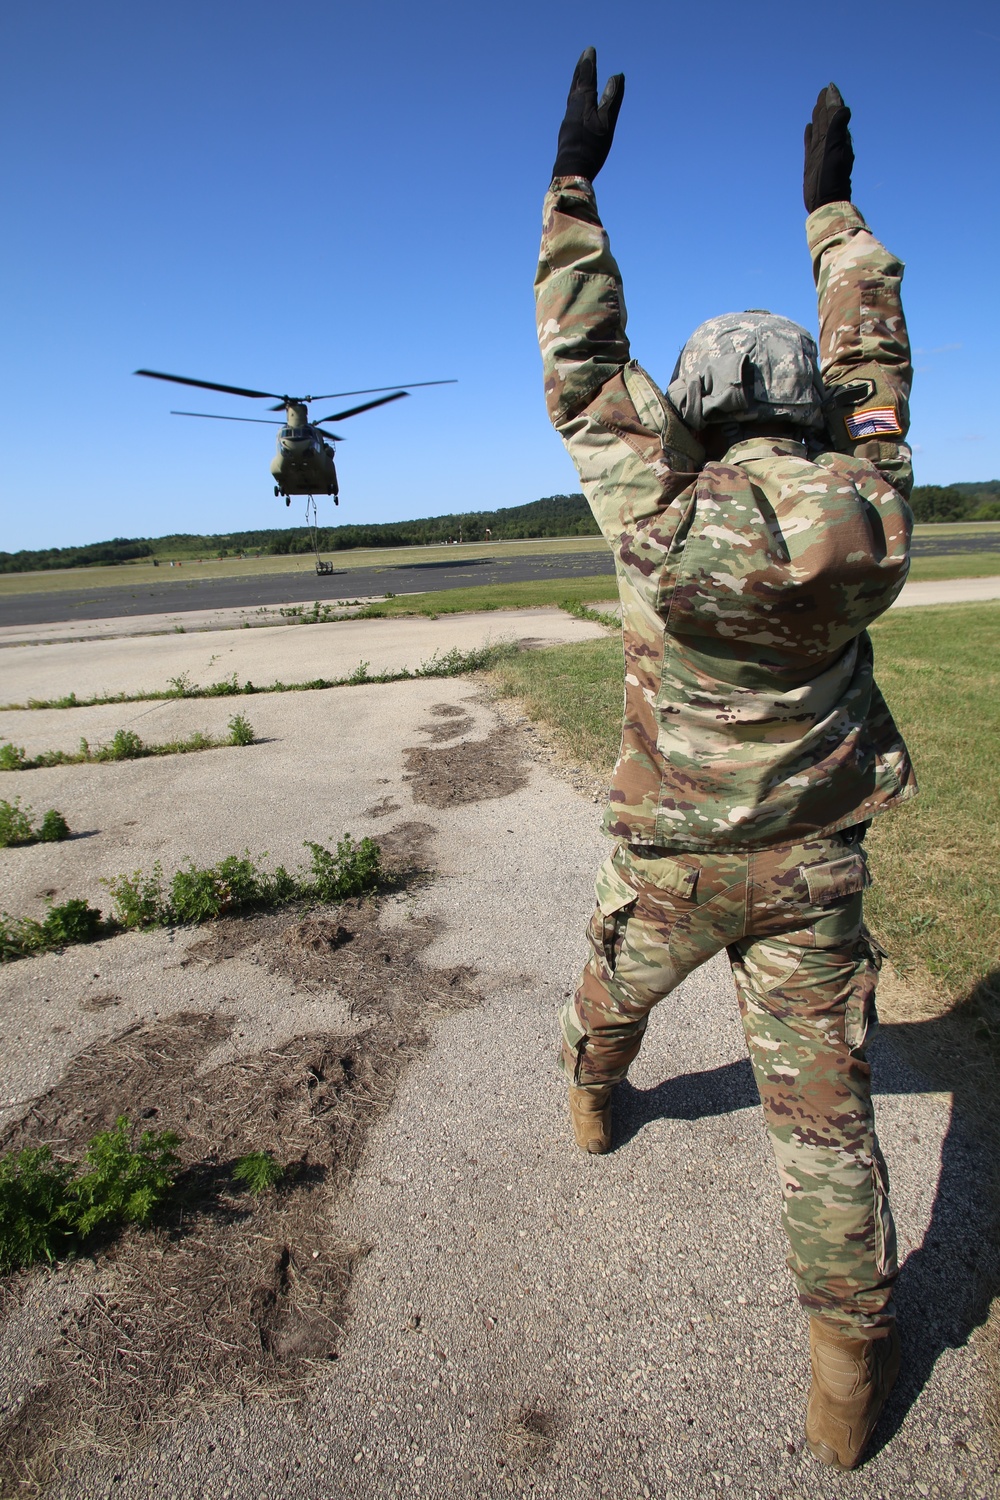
[(630, 447)]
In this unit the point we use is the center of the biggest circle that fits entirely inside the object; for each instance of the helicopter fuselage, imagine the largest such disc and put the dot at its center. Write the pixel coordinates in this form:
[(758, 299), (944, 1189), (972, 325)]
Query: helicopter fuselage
[(303, 464)]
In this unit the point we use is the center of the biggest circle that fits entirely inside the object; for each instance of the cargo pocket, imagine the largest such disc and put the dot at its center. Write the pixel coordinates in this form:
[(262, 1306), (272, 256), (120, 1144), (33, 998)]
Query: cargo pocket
[(615, 901), (885, 1229), (860, 1015)]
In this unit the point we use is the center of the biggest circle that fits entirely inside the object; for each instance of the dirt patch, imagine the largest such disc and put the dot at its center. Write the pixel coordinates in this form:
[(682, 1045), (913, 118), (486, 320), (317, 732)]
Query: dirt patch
[(99, 1002), (228, 1296), (383, 808), (471, 772), (541, 744), (457, 720)]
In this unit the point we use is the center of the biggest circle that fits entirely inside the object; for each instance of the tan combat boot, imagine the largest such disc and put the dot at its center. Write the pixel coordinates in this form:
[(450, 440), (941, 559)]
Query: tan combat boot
[(590, 1111), (852, 1376)]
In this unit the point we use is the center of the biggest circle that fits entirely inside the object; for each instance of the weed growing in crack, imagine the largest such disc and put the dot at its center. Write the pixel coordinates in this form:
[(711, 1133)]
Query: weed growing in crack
[(12, 757), (49, 1208), (453, 663), (16, 826), (595, 616), (127, 745), (240, 730), (53, 828), (197, 894)]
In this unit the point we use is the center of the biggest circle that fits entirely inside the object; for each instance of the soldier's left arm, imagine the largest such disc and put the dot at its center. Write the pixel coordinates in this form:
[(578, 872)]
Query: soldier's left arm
[(864, 347), (631, 449)]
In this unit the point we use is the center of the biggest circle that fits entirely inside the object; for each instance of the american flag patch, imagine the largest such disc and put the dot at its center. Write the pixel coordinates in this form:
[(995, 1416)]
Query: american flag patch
[(875, 420)]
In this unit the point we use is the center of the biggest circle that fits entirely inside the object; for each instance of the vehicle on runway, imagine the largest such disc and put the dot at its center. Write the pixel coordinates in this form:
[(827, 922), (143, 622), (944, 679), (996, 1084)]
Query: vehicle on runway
[(303, 464)]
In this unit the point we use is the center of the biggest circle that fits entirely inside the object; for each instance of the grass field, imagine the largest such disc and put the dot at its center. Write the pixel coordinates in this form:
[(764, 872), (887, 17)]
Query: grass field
[(129, 575)]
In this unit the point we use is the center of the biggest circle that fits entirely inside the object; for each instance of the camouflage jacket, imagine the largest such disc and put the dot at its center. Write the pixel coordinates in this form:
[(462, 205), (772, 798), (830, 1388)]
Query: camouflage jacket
[(751, 716)]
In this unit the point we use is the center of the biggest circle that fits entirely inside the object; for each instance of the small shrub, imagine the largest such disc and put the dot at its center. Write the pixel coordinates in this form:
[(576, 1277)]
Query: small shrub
[(15, 824), (126, 745), (258, 1171), (33, 1218), (240, 730), (359, 675), (227, 688), (12, 757), (180, 686), (47, 1207), (72, 922), (123, 1186), (53, 828), (353, 870), (138, 898), (19, 936), (195, 895)]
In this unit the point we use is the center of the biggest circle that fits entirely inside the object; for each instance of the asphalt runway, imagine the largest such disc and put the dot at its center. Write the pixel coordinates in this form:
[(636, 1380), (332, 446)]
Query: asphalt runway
[(271, 589)]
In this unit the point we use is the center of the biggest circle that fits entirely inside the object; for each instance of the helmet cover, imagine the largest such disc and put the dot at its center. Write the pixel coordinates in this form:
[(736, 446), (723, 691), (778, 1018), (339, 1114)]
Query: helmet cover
[(748, 367)]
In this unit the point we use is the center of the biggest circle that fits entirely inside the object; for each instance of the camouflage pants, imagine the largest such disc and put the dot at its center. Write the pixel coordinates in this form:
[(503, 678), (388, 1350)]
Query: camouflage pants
[(790, 919)]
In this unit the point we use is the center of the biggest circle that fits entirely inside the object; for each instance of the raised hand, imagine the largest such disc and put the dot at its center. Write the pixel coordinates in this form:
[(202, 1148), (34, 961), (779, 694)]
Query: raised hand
[(588, 128), (829, 152)]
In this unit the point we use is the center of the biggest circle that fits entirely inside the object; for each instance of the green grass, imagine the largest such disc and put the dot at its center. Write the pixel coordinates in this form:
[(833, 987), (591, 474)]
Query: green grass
[(125, 744), (956, 565), (936, 897)]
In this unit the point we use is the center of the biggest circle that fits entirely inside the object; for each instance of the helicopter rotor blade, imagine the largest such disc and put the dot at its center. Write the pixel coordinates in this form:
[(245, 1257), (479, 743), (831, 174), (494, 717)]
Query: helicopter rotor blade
[(209, 385), (339, 416), (334, 437), (214, 417), (372, 390)]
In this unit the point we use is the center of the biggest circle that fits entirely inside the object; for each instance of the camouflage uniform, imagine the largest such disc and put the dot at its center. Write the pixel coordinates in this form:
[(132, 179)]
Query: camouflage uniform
[(755, 744)]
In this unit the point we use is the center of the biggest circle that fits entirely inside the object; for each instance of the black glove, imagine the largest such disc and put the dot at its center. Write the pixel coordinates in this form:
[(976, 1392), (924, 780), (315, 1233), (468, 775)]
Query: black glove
[(588, 129), (829, 152)]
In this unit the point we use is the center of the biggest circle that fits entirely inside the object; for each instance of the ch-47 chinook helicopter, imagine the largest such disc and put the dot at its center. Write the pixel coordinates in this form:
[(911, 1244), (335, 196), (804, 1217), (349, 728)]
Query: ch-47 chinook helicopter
[(303, 464)]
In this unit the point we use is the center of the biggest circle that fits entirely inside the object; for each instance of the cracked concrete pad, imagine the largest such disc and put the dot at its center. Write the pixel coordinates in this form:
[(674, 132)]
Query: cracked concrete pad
[(529, 1319), (284, 653)]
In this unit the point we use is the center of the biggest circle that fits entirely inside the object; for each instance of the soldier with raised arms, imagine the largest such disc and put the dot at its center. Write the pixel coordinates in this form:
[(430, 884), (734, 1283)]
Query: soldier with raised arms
[(757, 511)]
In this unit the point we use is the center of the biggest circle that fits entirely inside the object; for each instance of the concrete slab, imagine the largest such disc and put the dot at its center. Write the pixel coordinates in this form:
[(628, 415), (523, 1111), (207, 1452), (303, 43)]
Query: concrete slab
[(639, 1301), (947, 591), (176, 622), (275, 653)]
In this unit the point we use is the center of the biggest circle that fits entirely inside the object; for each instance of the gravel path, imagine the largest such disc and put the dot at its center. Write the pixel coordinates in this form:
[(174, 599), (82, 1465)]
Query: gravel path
[(528, 1320)]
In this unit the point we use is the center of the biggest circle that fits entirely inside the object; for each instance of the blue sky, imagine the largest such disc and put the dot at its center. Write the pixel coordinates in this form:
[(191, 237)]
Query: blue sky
[(325, 198)]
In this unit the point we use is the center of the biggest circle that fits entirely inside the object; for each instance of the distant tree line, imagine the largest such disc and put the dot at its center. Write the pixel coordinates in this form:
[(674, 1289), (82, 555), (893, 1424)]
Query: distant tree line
[(554, 516), (120, 550), (957, 502)]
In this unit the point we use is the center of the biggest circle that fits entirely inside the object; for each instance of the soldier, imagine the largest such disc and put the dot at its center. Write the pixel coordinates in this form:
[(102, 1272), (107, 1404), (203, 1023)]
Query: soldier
[(758, 517)]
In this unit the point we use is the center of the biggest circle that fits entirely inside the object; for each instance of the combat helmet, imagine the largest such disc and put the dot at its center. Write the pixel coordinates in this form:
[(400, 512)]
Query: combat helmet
[(748, 366)]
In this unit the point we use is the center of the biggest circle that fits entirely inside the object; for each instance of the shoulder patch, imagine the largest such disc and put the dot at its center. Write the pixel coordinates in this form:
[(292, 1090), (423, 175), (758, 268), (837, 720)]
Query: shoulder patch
[(873, 422)]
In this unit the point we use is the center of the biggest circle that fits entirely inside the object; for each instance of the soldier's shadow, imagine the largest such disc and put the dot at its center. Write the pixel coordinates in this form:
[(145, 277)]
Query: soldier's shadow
[(946, 1284)]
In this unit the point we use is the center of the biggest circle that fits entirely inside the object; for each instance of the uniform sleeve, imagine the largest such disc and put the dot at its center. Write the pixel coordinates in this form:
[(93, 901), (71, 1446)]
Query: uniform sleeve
[(864, 348), (631, 449)]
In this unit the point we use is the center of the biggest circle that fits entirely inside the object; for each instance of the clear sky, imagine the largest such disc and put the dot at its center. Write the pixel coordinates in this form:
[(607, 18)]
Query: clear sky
[(329, 197)]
